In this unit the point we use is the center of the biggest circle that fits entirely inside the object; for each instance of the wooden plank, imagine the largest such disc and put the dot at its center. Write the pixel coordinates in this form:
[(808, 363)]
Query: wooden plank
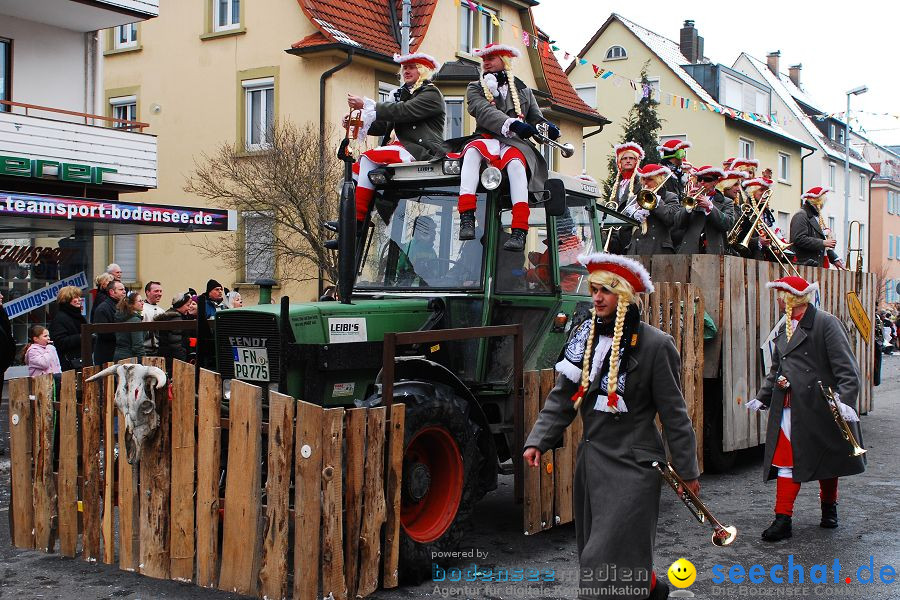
[(374, 500), (243, 501), (753, 293), (128, 502), (21, 451), (734, 413), (183, 449), (90, 461), (698, 417), (333, 582), (687, 350), (107, 531), (532, 476), (209, 440), (394, 482), (680, 311), (273, 565), (155, 496), (68, 466), (355, 458), (564, 460), (548, 462), (307, 501), (706, 274), (44, 486)]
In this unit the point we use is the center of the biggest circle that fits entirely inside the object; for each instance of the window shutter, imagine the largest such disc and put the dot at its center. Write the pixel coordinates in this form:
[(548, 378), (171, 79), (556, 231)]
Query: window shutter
[(125, 255)]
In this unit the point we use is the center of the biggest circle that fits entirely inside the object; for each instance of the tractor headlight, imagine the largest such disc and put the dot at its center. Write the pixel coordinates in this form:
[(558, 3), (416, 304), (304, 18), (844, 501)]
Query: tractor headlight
[(491, 178), (379, 176)]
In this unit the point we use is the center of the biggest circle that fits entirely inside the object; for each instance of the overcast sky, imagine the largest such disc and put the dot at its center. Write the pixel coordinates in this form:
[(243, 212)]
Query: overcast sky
[(811, 33)]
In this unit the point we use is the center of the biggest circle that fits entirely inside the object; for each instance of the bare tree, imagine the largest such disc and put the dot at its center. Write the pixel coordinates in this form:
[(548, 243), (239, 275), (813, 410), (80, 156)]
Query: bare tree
[(881, 277), (289, 188)]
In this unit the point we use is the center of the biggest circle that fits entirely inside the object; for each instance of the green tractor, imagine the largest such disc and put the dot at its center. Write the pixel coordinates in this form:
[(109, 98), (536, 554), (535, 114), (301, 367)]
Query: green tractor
[(408, 272)]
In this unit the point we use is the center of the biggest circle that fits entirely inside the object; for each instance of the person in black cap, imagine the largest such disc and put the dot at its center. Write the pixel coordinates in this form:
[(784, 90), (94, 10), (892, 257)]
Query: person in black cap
[(212, 299)]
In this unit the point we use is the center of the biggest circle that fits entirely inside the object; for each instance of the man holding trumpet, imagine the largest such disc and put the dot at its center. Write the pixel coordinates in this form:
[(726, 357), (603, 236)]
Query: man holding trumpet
[(708, 214), (655, 208)]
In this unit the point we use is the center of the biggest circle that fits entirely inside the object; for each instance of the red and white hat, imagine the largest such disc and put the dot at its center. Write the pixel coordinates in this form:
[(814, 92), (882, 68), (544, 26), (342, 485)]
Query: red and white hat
[(629, 148), (497, 49), (757, 182), (793, 284), (627, 268), (708, 170), (726, 164), (737, 163), (418, 58), (652, 170), (673, 146), (588, 178), (816, 192)]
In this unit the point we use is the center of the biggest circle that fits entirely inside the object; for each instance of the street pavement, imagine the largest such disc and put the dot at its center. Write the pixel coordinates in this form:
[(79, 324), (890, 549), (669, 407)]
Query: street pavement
[(868, 535)]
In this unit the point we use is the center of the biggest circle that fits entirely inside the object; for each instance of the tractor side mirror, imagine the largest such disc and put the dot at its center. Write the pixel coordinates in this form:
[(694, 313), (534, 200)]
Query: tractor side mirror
[(556, 202)]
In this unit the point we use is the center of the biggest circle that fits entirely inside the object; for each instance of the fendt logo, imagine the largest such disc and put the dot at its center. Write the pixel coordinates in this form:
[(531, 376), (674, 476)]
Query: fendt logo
[(247, 342)]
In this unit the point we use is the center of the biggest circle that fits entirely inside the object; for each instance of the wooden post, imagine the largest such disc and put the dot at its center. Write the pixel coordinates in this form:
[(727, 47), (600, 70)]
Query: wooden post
[(548, 461), (209, 437), (44, 494), (531, 475), (391, 552), (21, 434), (373, 499), (129, 525), (183, 448), (332, 511), (307, 501), (107, 530), (243, 502), (355, 432), (273, 566), (90, 460), (68, 466), (155, 469)]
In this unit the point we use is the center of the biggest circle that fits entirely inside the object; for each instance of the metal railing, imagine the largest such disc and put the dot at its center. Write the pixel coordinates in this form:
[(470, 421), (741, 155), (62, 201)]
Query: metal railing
[(110, 121)]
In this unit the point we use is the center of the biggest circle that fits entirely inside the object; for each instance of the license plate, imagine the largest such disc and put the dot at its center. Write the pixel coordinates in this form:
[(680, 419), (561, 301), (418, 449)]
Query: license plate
[(251, 364)]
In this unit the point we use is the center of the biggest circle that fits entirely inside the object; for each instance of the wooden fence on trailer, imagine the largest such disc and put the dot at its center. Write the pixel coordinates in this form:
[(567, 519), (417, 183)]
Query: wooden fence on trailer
[(677, 309), (321, 466)]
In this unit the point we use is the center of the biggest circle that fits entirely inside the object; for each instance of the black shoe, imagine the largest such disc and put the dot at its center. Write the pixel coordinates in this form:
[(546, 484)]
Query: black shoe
[(516, 241), (829, 515), (780, 529), (331, 226), (660, 592), (331, 244), (467, 225)]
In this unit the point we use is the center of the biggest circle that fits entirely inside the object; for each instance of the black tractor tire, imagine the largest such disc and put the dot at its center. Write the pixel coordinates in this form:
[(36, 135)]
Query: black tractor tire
[(442, 417)]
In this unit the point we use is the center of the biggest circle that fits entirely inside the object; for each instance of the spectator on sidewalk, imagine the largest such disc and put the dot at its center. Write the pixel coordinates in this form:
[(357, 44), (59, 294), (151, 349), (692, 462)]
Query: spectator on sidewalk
[(105, 343), (153, 293), (40, 355), (65, 328), (174, 344), (115, 270), (130, 344), (99, 294), (233, 300)]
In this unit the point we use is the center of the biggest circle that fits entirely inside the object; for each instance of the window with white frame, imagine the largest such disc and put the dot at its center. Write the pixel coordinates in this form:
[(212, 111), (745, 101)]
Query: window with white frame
[(125, 255), (782, 219), (125, 108), (453, 119), (832, 170), (840, 133), (745, 148), (386, 91), (5, 72), (616, 53), (862, 186), (466, 29), (549, 153), (125, 36), (259, 243), (654, 87), (831, 131), (743, 96), (897, 247), (784, 167), (831, 225), (588, 94), (584, 157), (226, 14), (487, 30), (259, 112), (890, 246)]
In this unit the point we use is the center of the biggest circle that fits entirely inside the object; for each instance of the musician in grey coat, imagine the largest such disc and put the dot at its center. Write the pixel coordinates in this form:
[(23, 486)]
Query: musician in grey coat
[(803, 441), (811, 243), (627, 184), (616, 489), (660, 221), (703, 229)]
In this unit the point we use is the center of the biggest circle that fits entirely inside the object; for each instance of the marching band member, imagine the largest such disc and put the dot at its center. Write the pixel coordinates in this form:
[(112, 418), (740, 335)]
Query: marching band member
[(704, 228), (747, 165), (754, 190), (803, 442), (811, 238), (657, 238), (506, 113), (672, 156), (416, 118), (627, 184), (619, 373)]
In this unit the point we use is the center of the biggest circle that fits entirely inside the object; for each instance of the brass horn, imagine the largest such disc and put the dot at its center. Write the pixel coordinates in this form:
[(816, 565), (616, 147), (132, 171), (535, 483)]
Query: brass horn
[(566, 150), (846, 432), (648, 200), (722, 535)]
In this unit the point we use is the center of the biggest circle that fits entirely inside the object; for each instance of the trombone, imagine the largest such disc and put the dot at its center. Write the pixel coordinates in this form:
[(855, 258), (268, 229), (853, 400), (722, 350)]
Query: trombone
[(855, 249), (648, 200), (567, 150), (846, 432), (692, 194), (722, 535), (609, 230), (776, 247)]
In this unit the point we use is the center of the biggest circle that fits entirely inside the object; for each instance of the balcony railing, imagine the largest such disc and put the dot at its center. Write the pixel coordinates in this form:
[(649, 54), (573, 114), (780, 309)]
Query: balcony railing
[(83, 117)]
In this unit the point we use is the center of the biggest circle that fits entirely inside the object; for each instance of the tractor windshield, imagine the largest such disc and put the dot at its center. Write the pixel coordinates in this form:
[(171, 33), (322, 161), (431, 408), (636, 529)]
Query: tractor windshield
[(415, 243)]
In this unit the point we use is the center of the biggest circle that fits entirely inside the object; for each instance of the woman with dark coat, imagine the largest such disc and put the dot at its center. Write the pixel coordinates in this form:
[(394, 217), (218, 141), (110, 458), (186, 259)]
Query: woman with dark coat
[(622, 373), (65, 328), (130, 344)]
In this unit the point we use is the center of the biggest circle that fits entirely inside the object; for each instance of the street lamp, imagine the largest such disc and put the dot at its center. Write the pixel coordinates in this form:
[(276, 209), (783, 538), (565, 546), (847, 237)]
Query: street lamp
[(854, 92)]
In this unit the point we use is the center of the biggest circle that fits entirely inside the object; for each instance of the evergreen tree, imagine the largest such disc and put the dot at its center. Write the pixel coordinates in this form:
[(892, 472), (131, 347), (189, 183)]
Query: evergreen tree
[(642, 126)]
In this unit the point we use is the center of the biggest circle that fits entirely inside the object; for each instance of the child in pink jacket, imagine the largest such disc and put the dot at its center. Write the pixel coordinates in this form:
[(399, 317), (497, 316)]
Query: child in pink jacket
[(40, 355)]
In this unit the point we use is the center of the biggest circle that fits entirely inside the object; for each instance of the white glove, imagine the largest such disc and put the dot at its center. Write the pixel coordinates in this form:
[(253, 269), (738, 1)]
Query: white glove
[(641, 215), (755, 405), (846, 411)]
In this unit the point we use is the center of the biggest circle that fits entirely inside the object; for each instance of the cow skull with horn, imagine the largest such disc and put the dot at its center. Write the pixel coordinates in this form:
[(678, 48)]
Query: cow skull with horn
[(136, 398)]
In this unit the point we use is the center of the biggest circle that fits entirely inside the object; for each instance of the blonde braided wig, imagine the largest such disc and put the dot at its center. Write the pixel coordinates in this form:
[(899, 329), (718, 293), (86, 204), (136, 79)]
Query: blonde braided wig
[(790, 303), (511, 84)]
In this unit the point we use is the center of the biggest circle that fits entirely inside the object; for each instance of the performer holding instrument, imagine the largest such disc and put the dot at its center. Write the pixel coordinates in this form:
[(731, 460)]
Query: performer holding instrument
[(812, 241), (620, 373), (627, 184), (810, 393), (654, 208), (416, 118), (673, 154), (708, 214)]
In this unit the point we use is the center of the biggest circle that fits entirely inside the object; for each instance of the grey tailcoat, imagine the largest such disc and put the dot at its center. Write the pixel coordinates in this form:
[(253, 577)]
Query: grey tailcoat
[(818, 350), (616, 491), (660, 223), (807, 237), (621, 237), (715, 225), (489, 118), (418, 122)]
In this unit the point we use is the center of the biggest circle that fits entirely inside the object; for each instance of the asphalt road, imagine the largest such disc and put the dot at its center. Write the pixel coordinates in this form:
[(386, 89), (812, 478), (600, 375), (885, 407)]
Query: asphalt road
[(868, 534)]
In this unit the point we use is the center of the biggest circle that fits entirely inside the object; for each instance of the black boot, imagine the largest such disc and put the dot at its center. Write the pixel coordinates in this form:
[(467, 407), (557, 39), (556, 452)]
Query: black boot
[(516, 241), (829, 515), (660, 592), (467, 225), (780, 529)]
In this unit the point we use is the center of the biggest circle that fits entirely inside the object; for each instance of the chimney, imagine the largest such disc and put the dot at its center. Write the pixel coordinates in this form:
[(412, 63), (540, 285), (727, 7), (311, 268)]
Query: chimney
[(794, 72), (772, 59), (690, 42)]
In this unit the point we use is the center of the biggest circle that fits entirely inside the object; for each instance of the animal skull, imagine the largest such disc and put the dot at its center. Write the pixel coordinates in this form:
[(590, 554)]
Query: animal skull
[(136, 398)]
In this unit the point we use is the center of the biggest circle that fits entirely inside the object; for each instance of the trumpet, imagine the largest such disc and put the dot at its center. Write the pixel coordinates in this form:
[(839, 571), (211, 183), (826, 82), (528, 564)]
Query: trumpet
[(722, 535), (692, 195), (846, 432), (648, 200), (566, 150)]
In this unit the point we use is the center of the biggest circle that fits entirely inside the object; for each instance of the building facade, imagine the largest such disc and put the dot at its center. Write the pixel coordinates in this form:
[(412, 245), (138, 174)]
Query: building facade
[(270, 60), (884, 234)]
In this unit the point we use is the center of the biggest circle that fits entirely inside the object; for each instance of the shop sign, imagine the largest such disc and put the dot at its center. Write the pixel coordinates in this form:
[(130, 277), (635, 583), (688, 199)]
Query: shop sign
[(32, 255), (19, 166), (107, 211), (43, 296)]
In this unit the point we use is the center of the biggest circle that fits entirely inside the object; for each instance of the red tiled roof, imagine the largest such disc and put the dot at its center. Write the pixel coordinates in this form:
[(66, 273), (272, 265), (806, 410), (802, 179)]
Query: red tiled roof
[(561, 90), (363, 23)]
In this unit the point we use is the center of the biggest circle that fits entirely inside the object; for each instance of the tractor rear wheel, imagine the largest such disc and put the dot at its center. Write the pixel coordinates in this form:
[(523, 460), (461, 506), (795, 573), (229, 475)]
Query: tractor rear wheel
[(441, 466)]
